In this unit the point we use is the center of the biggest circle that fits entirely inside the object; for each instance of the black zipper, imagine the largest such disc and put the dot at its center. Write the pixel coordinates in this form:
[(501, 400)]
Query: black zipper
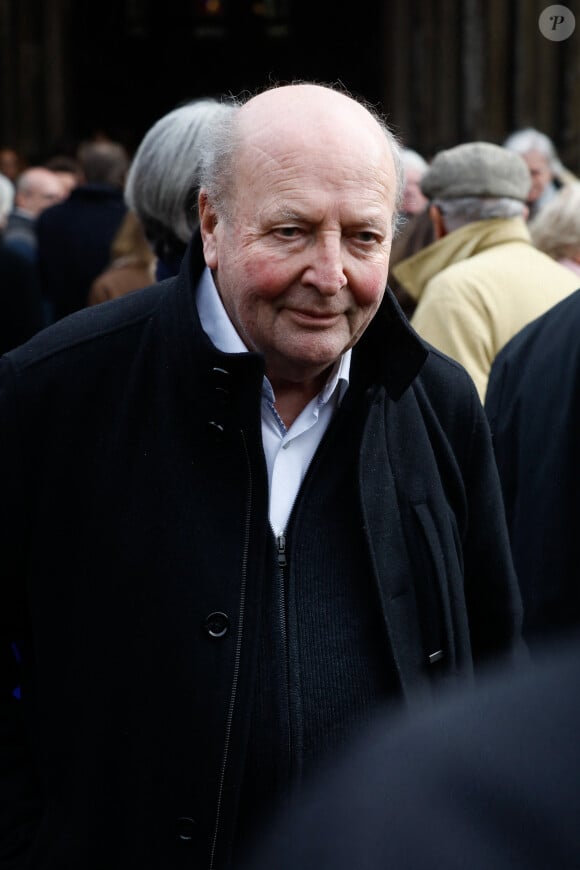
[(282, 565)]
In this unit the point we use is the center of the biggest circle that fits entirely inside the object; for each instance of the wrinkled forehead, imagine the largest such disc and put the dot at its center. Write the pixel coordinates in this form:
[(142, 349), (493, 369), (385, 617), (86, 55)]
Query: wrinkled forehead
[(314, 130), (311, 110)]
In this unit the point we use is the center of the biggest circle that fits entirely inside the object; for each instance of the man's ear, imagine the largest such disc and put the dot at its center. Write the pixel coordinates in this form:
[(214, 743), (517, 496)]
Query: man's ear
[(439, 228), (208, 224)]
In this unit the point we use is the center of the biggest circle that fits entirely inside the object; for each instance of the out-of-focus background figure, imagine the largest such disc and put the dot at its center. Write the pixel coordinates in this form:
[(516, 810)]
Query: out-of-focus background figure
[(489, 780), (68, 170), (533, 405), (415, 167), (556, 229), (12, 163), (6, 200), (416, 229), (546, 169), (132, 263), (162, 183), (75, 237), (36, 190), (482, 279)]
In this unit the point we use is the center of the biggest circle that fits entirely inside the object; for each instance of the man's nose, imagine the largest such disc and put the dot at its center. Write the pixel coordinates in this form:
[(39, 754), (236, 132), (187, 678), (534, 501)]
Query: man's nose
[(325, 270)]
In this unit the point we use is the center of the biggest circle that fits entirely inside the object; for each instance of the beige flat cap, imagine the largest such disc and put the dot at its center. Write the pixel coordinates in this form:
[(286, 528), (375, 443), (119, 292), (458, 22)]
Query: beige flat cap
[(477, 169)]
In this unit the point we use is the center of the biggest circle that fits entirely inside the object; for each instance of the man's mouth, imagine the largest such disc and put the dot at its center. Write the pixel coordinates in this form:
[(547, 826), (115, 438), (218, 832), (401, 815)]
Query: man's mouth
[(315, 318)]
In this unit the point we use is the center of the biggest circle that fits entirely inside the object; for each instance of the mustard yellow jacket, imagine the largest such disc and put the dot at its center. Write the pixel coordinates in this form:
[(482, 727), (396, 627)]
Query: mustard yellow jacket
[(479, 285)]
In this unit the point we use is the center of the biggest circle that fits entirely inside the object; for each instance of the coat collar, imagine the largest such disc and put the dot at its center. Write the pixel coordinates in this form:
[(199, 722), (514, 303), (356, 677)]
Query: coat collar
[(415, 272), (389, 352)]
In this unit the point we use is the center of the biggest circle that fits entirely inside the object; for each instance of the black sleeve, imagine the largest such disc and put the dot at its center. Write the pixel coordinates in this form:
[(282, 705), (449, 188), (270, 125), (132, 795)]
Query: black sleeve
[(21, 313), (20, 804)]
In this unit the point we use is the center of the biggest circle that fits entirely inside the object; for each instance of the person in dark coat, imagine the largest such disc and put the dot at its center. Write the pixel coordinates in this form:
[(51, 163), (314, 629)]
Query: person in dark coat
[(533, 404), (21, 314), (75, 237), (489, 780), (242, 510)]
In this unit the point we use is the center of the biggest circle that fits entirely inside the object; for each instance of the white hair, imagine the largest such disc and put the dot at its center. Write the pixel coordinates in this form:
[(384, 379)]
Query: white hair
[(6, 199), (468, 209), (413, 160), (163, 178), (556, 228), (529, 139)]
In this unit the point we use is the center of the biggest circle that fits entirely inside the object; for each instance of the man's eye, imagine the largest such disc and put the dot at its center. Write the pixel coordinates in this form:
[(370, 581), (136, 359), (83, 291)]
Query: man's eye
[(366, 236), (288, 232)]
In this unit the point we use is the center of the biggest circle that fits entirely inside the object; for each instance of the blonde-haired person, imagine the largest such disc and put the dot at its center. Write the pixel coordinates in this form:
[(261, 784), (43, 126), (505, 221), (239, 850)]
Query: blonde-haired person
[(132, 263), (556, 229)]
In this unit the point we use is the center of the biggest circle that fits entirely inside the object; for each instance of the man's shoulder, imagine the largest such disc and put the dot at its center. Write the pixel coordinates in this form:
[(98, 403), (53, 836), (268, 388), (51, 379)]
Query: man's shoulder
[(553, 334), (455, 280), (484, 276), (106, 329), (446, 381)]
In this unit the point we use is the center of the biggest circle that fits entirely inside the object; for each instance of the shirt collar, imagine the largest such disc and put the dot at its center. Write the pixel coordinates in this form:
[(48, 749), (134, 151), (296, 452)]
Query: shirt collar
[(221, 331), (214, 318)]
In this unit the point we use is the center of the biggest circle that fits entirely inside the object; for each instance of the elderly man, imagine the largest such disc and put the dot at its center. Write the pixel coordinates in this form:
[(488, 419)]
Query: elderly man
[(482, 280), (242, 510)]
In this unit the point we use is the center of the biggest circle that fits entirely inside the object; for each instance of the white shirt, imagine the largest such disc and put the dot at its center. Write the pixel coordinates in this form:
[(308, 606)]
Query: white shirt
[(288, 452)]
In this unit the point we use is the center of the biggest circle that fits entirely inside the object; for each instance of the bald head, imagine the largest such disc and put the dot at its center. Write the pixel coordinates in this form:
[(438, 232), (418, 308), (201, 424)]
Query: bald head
[(38, 188), (308, 108), (305, 117)]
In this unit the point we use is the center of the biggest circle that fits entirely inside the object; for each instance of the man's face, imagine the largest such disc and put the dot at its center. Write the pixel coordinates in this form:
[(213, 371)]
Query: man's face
[(302, 264), (540, 172)]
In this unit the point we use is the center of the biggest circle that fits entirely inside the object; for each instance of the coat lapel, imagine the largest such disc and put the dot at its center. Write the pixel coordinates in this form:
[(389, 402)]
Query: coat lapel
[(390, 560)]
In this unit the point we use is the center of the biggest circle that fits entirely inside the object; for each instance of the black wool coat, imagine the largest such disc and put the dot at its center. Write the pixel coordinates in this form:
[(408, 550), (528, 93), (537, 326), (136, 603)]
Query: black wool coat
[(134, 525), (533, 404)]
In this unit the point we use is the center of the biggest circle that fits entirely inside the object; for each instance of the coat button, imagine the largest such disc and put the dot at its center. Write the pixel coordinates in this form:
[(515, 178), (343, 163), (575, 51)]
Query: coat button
[(221, 381), (185, 828), (216, 430), (217, 624)]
